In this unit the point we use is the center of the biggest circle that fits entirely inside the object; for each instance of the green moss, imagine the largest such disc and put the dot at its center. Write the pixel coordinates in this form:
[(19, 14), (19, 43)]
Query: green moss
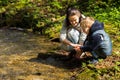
[(88, 74)]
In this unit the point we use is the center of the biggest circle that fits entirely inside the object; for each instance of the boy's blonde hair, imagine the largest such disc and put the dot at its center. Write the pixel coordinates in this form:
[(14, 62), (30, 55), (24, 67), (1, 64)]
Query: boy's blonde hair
[(86, 21)]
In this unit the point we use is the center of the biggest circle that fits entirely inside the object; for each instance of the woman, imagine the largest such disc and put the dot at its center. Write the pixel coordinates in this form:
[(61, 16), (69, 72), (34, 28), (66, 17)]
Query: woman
[(71, 34)]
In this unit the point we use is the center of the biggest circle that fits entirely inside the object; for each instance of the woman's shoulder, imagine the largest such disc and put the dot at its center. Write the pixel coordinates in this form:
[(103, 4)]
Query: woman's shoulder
[(83, 16)]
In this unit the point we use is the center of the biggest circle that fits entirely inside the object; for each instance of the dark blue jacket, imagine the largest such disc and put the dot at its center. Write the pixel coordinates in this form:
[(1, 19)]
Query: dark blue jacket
[(97, 38)]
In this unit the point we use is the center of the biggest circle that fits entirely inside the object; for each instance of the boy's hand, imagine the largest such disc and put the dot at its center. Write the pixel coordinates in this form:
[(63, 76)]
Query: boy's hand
[(78, 52), (77, 55)]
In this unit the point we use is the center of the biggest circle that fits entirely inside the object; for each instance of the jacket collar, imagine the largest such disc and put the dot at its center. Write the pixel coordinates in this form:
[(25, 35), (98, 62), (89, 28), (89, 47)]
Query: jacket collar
[(96, 26)]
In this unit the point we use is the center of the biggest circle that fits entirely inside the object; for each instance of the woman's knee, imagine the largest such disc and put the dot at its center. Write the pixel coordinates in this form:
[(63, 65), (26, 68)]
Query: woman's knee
[(73, 36)]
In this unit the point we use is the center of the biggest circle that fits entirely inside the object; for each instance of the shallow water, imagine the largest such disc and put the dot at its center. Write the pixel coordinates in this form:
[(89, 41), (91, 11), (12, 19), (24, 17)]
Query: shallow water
[(27, 56)]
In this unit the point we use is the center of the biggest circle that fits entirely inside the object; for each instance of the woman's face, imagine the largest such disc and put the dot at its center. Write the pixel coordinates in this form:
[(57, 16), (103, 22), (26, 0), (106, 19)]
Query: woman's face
[(74, 20)]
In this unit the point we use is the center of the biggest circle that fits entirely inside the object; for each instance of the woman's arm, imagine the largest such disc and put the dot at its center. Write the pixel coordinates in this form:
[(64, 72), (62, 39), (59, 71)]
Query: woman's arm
[(63, 36)]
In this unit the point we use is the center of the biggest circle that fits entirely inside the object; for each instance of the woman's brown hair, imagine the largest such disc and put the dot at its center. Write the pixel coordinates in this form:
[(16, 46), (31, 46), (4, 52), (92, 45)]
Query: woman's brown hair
[(70, 12)]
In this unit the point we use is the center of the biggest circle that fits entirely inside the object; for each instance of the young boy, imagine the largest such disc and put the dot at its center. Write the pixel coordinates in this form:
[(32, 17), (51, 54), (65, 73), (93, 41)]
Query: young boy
[(98, 42)]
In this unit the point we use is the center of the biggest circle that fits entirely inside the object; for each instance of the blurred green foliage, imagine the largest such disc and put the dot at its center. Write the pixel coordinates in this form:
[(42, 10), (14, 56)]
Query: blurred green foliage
[(46, 16)]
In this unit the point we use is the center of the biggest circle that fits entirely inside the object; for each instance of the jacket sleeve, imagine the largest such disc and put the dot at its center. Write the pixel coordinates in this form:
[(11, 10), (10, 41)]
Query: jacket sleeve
[(86, 48), (96, 40), (82, 37), (63, 31)]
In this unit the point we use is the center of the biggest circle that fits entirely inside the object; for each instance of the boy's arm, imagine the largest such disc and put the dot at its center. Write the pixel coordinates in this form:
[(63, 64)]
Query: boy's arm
[(96, 40), (86, 48)]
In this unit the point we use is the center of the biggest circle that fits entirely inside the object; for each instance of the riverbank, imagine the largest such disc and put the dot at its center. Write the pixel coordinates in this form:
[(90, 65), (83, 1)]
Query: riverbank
[(28, 56)]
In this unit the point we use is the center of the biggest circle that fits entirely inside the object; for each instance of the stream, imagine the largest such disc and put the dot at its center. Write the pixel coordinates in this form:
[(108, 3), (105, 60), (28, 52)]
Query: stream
[(28, 56)]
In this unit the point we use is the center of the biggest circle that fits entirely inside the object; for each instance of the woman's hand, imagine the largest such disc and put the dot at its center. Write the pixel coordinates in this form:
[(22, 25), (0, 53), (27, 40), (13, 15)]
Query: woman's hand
[(77, 48), (75, 45)]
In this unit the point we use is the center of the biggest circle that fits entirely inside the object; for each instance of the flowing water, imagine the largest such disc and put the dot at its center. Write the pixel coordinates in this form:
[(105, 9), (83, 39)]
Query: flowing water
[(26, 56)]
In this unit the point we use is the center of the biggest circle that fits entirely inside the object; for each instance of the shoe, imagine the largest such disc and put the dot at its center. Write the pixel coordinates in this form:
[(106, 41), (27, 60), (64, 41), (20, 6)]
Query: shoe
[(82, 55), (93, 61)]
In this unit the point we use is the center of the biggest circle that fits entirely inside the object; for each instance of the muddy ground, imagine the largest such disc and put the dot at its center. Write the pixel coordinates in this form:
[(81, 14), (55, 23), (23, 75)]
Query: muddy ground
[(28, 56)]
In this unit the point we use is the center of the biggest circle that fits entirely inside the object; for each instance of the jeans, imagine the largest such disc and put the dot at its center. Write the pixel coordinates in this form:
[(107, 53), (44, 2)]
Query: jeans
[(75, 37), (102, 52)]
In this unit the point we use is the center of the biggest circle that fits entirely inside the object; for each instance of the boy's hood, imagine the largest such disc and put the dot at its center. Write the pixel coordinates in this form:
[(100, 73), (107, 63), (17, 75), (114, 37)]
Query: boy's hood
[(96, 26)]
